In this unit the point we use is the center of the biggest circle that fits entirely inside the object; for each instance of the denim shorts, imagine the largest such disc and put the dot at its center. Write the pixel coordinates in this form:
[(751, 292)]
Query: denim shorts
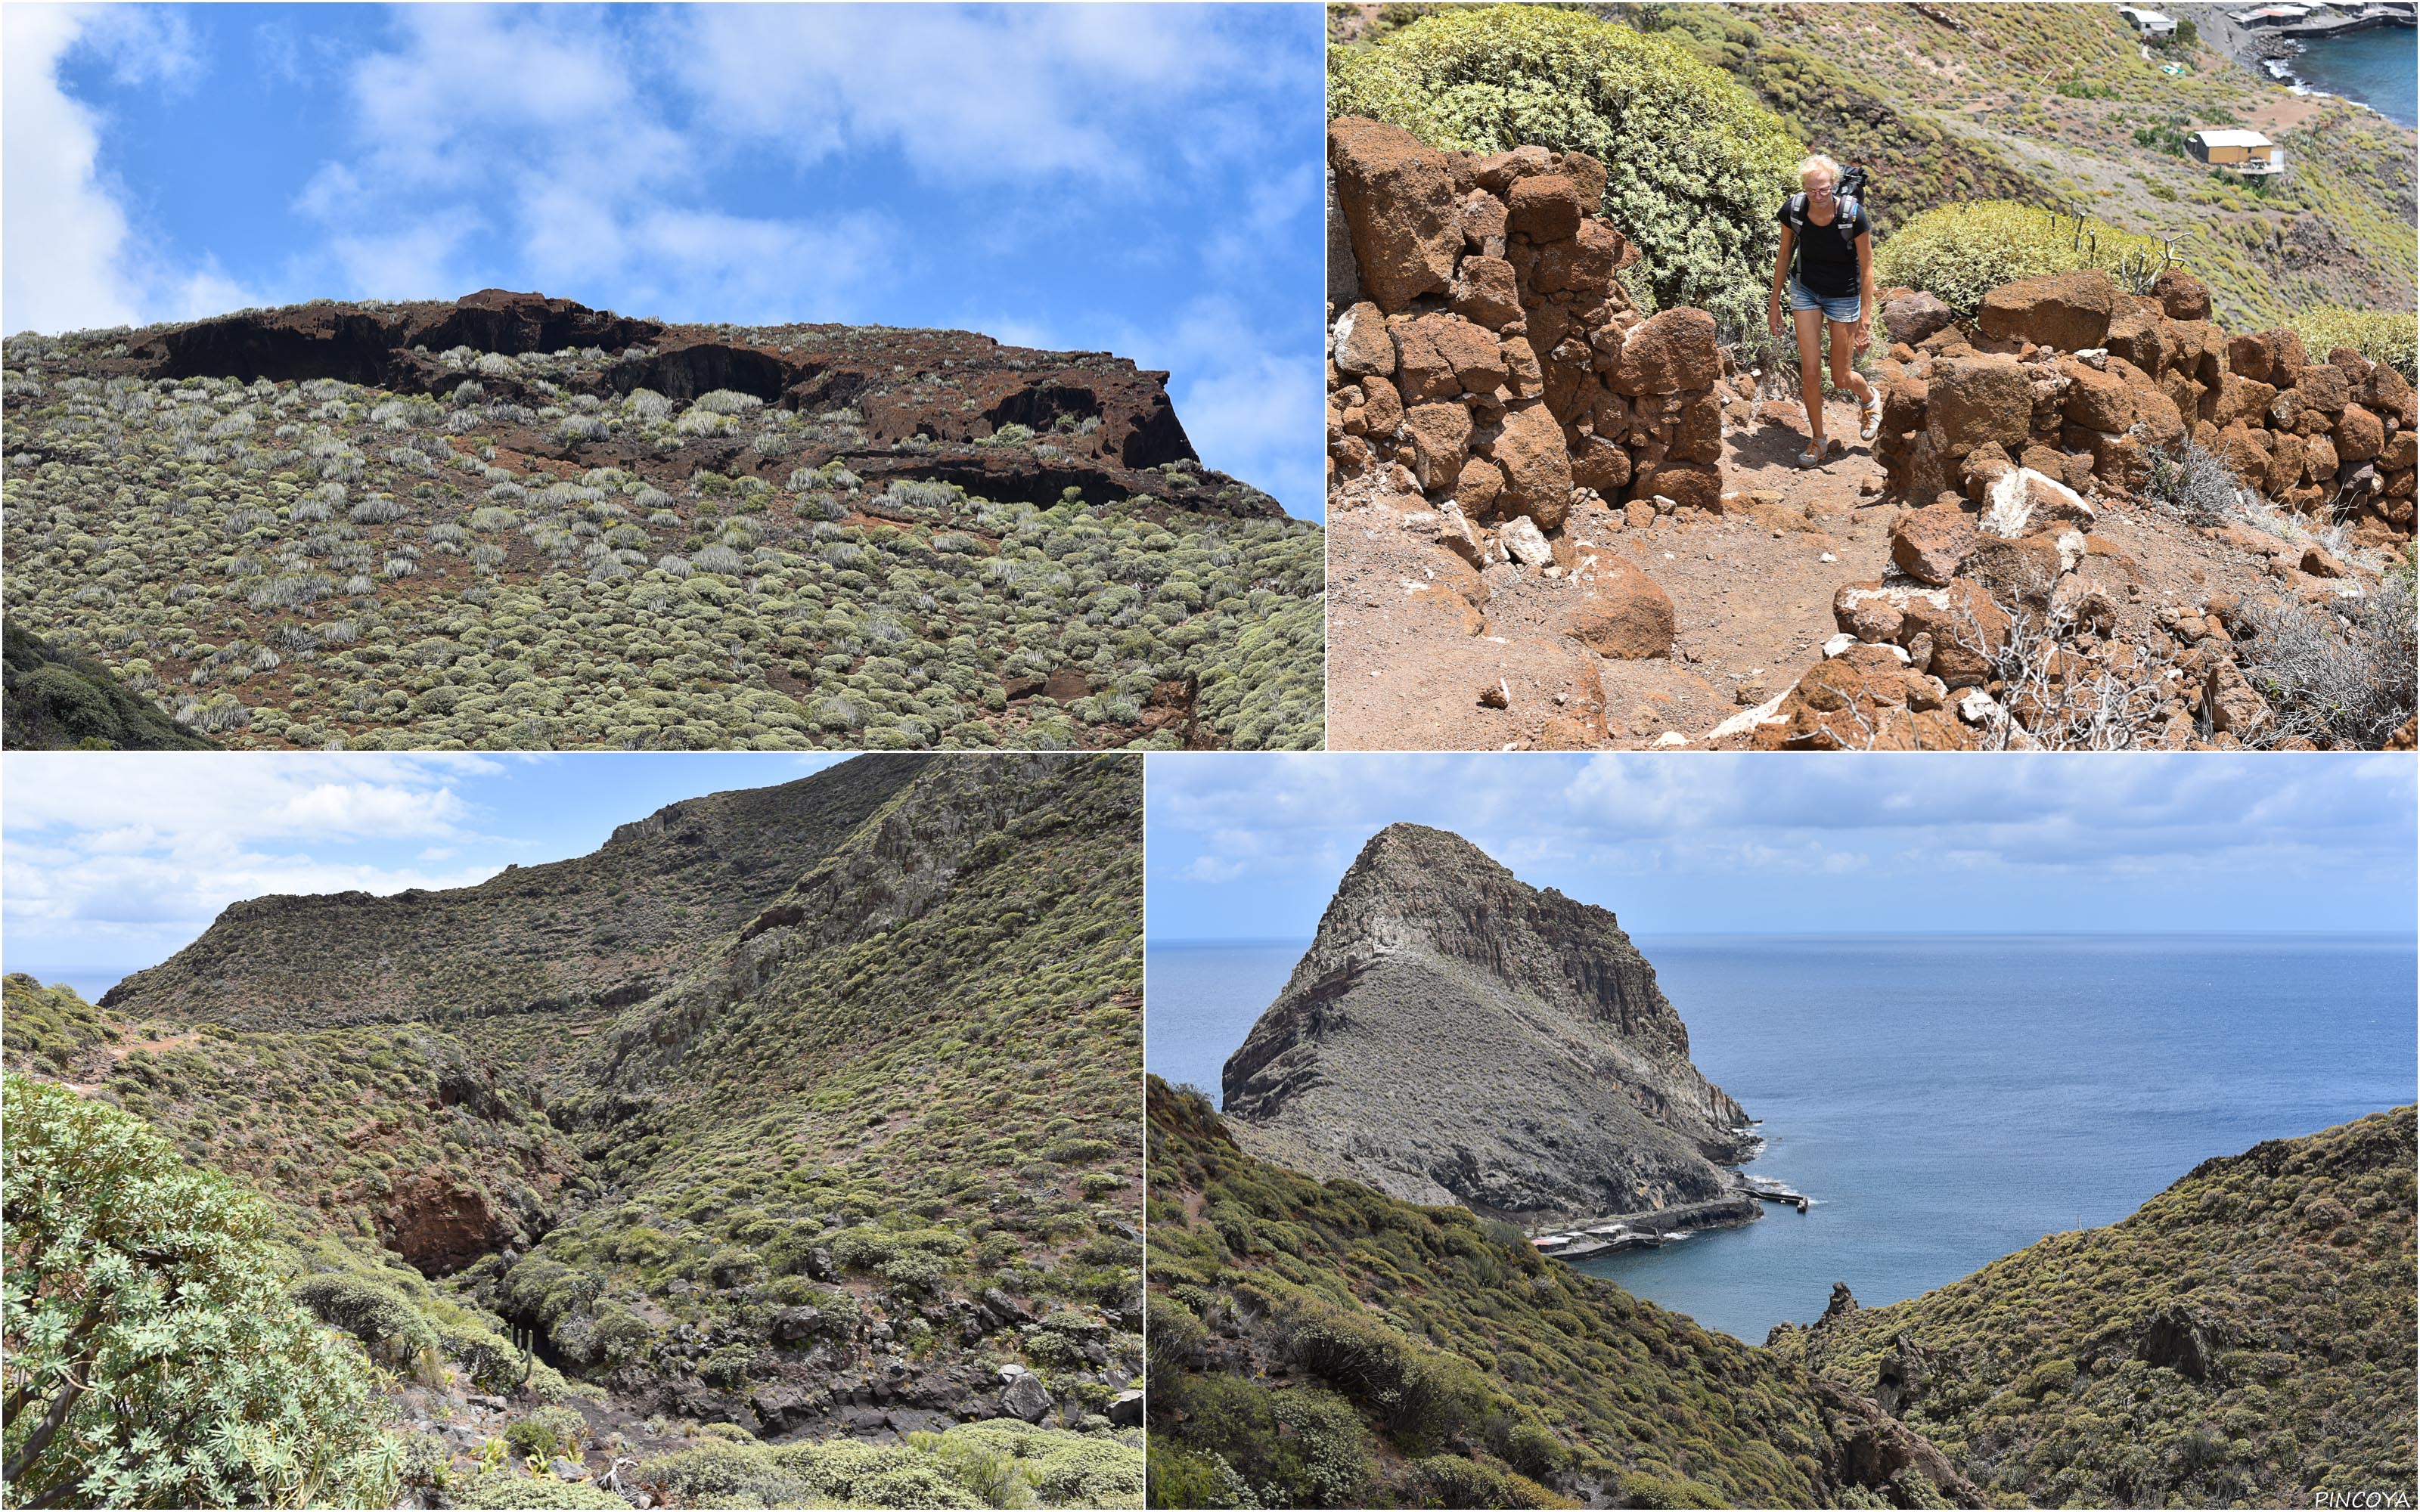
[(1839, 308)]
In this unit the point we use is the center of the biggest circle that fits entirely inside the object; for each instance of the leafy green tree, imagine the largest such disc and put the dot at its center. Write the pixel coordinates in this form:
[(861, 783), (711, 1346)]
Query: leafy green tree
[(154, 1358), (1694, 166)]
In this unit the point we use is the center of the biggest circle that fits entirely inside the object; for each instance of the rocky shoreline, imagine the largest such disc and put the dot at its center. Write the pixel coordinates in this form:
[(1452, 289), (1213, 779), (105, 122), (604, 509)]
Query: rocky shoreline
[(2269, 52), (1617, 1233)]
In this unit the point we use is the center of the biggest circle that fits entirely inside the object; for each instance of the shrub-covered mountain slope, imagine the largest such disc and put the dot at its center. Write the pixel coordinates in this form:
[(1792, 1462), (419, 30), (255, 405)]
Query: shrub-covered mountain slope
[(1455, 1035), (66, 700), (511, 520), (604, 929), (2055, 107), (1321, 1344), (857, 1157), (2246, 1338)]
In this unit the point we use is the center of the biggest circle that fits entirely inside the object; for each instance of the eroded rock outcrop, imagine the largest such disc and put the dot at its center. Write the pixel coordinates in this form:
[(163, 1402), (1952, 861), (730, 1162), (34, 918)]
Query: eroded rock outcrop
[(1456, 1036), (926, 403), (2002, 615), (607, 929)]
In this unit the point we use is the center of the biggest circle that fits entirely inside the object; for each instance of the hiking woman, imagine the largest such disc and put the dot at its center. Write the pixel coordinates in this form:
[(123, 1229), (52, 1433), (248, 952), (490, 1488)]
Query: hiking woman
[(1834, 244)]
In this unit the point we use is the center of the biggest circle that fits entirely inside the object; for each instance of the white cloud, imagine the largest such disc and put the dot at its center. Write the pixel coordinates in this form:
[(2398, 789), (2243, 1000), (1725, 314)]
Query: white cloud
[(74, 259), (967, 96), (552, 130), (1707, 814), (125, 857), (184, 802)]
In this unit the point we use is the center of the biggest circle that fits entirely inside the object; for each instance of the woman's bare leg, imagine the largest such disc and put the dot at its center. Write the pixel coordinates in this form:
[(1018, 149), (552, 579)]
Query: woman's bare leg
[(1844, 357), (1810, 372)]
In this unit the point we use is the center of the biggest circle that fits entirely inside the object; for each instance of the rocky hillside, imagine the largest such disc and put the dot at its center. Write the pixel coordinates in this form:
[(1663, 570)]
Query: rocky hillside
[(511, 520), (1456, 1036), (600, 930), (2063, 108), (1322, 1345), (2246, 1338), (837, 1142)]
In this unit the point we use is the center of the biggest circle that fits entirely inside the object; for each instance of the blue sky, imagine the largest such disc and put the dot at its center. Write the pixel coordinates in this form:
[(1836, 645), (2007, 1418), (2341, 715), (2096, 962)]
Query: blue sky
[(1142, 179), (1252, 847), (113, 862)]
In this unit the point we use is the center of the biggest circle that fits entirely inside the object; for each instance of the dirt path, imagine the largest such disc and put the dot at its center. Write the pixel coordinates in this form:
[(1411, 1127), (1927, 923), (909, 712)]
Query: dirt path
[(113, 1054), (1414, 637), (1426, 654)]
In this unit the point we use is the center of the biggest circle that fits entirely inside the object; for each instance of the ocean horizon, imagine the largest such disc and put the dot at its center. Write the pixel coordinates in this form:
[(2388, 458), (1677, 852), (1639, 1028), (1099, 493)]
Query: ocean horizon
[(1944, 1100)]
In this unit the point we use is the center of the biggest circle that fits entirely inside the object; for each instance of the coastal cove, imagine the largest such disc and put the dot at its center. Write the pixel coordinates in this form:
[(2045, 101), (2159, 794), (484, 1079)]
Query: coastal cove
[(2380, 68), (1944, 1100)]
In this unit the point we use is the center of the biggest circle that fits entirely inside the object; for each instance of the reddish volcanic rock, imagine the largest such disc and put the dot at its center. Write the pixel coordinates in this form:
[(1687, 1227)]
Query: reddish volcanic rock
[(954, 388)]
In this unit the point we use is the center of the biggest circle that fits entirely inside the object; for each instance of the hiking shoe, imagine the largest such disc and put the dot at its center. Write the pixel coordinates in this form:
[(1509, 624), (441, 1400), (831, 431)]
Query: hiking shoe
[(1873, 418), (1813, 455)]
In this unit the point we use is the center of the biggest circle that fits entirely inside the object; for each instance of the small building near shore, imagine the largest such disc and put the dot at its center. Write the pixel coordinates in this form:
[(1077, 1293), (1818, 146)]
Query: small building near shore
[(2246, 152), (2274, 15), (2148, 23)]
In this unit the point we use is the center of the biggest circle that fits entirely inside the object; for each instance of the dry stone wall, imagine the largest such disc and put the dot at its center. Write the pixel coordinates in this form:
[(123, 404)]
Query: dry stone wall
[(2076, 380), (1484, 354)]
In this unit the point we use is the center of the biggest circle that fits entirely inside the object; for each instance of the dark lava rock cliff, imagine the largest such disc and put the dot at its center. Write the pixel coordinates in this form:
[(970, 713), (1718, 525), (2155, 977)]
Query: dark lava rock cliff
[(937, 392), (1456, 1036)]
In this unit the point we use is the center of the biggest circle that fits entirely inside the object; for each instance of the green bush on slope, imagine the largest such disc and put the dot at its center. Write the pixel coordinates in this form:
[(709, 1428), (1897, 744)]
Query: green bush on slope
[(162, 1362), (2061, 1373), (1693, 165), (300, 579), (1320, 1344), (1961, 252), (2382, 335)]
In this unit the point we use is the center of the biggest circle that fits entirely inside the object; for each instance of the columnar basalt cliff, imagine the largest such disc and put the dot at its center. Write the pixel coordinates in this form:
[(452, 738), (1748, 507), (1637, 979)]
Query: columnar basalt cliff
[(1456, 1036)]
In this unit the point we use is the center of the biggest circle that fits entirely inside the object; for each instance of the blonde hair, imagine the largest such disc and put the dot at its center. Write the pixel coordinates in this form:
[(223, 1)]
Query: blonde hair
[(1809, 166)]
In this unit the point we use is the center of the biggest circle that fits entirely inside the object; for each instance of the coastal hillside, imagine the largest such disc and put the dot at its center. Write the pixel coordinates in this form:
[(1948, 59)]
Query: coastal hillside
[(512, 521), (789, 1126), (1320, 1344), (2246, 1338), (1456, 1036), (2060, 108)]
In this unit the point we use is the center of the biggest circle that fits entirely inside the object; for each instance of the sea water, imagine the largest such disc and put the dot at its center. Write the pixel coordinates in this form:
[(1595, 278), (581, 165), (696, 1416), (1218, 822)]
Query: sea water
[(2377, 68), (1948, 1100), (1201, 999)]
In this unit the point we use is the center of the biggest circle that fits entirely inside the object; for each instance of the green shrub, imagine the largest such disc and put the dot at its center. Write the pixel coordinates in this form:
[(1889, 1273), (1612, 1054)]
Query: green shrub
[(871, 1474), (2382, 335), (165, 1362), (1694, 165), (546, 1433), (537, 1491), (1961, 252), (381, 1319), (721, 1475)]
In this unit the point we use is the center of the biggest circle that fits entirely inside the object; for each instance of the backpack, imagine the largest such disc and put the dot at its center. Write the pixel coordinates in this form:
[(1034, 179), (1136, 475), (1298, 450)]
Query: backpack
[(1849, 202)]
